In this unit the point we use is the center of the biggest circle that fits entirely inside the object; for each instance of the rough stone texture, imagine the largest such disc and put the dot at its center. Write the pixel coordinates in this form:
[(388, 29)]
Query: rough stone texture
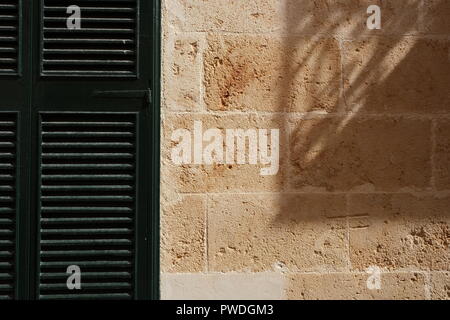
[(399, 231), (276, 232), (221, 177), (173, 15), (352, 153), (182, 72), (216, 286), (341, 17), (270, 73), (339, 286), (348, 17), (231, 15), (183, 235), (397, 75), (440, 285), (364, 175), (436, 13), (442, 156)]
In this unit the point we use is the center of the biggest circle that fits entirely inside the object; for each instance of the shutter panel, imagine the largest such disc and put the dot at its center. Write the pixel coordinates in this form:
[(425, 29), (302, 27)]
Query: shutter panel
[(87, 204), (8, 125), (9, 36), (106, 45)]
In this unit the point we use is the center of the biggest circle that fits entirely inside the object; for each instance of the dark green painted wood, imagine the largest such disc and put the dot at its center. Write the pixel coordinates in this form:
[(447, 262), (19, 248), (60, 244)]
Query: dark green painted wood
[(8, 204), (30, 95), (14, 87), (153, 245), (11, 37), (122, 54), (110, 95), (77, 234)]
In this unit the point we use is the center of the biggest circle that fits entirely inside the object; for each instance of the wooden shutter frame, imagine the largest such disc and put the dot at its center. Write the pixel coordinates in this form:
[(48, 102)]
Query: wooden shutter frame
[(147, 266), (152, 263)]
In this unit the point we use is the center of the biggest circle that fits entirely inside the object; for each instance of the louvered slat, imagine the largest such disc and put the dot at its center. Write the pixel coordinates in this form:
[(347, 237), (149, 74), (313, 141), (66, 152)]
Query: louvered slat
[(87, 204), (9, 36), (7, 204), (105, 46)]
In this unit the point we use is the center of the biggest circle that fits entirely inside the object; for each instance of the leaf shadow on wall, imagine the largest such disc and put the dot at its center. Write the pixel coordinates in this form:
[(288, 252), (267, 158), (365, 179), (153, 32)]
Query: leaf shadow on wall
[(363, 109), (357, 186)]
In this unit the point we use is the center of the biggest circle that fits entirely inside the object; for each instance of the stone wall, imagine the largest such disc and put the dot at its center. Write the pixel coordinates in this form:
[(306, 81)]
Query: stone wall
[(364, 178)]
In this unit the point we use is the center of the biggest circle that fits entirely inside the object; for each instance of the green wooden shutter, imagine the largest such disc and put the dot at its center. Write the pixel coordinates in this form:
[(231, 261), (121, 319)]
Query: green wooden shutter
[(79, 149), (8, 132), (9, 36), (87, 204), (106, 45)]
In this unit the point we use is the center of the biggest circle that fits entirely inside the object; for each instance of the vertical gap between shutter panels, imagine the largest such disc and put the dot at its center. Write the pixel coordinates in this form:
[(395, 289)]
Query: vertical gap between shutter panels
[(105, 46), (87, 204), (8, 132), (9, 36)]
